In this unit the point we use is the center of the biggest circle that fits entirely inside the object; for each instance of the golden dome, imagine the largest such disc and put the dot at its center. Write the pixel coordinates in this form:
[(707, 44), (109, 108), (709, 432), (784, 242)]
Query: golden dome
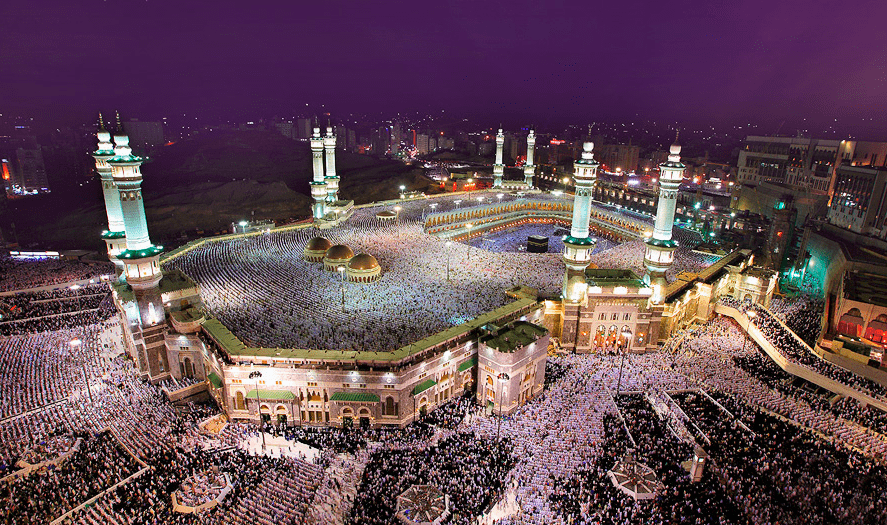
[(363, 261), (318, 244), (339, 252)]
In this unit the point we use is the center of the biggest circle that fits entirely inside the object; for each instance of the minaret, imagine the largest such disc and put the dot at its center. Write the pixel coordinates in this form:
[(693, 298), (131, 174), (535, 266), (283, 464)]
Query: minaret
[(498, 167), (659, 252), (114, 236), (578, 247), (529, 168), (331, 179), (318, 185), (140, 258)]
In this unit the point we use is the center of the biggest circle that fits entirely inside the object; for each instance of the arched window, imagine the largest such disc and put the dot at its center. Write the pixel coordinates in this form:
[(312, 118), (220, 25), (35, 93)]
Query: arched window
[(389, 406)]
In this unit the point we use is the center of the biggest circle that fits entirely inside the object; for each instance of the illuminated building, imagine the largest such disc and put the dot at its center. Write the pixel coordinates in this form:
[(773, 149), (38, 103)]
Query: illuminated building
[(859, 203)]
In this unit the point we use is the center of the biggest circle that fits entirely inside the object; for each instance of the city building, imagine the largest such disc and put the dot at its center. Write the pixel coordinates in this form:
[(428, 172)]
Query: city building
[(859, 203), (794, 161)]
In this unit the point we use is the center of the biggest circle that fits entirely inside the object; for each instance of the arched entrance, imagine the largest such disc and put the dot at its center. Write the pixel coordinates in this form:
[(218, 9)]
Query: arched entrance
[(364, 418), (347, 417), (281, 414)]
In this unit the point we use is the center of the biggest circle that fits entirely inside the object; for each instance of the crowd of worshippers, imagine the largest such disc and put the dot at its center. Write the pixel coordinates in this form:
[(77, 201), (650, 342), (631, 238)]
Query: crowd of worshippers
[(802, 314), (259, 286), (468, 469), (20, 274), (47, 493), (54, 310), (590, 496), (700, 354), (797, 351), (783, 473)]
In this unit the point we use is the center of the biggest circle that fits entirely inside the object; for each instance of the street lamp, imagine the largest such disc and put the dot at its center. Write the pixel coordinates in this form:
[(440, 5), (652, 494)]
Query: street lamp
[(75, 344), (503, 378), (256, 375), (468, 228), (448, 244), (341, 270), (397, 214), (402, 190), (625, 334), (470, 184)]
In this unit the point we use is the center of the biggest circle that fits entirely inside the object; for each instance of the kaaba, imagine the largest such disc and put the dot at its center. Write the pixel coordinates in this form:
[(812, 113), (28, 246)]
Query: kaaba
[(537, 244)]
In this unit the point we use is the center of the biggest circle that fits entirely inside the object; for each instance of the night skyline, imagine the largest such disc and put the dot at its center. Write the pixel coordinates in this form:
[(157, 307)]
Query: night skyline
[(548, 63)]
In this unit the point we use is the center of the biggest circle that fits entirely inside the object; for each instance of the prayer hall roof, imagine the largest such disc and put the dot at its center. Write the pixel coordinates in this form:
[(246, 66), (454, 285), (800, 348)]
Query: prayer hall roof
[(363, 261), (339, 252), (318, 244)]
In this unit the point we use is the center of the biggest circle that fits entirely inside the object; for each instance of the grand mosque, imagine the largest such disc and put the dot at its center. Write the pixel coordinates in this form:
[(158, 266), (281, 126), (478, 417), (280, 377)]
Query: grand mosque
[(257, 321)]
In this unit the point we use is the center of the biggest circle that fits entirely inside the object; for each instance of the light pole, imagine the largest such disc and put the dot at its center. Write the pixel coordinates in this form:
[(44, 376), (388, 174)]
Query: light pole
[(448, 244), (402, 191), (76, 343), (397, 214), (470, 184), (468, 228), (503, 377), (256, 375), (622, 362), (341, 270)]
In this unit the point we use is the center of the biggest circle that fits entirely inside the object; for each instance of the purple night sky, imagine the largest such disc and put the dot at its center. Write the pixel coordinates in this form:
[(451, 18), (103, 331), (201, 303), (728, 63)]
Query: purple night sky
[(554, 61)]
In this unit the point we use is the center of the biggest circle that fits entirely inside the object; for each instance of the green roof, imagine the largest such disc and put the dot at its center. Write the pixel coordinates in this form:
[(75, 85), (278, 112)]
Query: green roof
[(113, 235), (659, 243), (270, 394), (215, 379), (228, 341), (518, 334), (586, 241), (423, 386), (140, 254), (357, 397), (468, 364)]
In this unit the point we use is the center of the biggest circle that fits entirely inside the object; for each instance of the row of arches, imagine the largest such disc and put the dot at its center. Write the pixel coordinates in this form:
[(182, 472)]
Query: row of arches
[(853, 324)]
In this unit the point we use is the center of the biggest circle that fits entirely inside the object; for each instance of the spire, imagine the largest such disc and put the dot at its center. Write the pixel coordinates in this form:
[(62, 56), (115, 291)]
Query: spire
[(119, 123), (101, 122)]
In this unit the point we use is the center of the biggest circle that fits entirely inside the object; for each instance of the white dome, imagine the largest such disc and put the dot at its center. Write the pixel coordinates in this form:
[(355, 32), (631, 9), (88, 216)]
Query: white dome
[(588, 147)]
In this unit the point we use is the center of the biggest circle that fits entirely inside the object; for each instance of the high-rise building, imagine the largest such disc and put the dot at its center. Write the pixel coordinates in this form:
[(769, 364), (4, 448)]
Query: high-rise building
[(618, 157), (285, 128), (859, 202), (795, 161), (422, 147), (29, 174), (303, 128)]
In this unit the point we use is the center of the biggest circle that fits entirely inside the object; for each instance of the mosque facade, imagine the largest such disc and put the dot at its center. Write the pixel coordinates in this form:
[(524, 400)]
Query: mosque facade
[(499, 357)]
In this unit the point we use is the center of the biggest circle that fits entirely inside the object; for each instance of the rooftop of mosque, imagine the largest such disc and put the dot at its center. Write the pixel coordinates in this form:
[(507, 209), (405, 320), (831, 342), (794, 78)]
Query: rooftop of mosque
[(187, 315), (318, 244), (708, 275), (363, 261), (613, 277), (339, 252), (513, 336)]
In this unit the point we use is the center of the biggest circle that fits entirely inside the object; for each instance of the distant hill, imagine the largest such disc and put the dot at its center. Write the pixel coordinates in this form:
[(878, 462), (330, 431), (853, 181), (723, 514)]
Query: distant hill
[(207, 182)]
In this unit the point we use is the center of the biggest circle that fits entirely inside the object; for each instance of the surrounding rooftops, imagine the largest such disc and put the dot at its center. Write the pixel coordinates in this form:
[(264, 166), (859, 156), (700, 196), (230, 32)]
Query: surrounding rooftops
[(513, 336)]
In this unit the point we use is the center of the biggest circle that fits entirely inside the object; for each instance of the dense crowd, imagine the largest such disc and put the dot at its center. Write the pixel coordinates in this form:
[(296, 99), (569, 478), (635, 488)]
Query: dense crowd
[(48, 493), (261, 288), (783, 473), (49, 310), (20, 274), (789, 345), (470, 470)]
